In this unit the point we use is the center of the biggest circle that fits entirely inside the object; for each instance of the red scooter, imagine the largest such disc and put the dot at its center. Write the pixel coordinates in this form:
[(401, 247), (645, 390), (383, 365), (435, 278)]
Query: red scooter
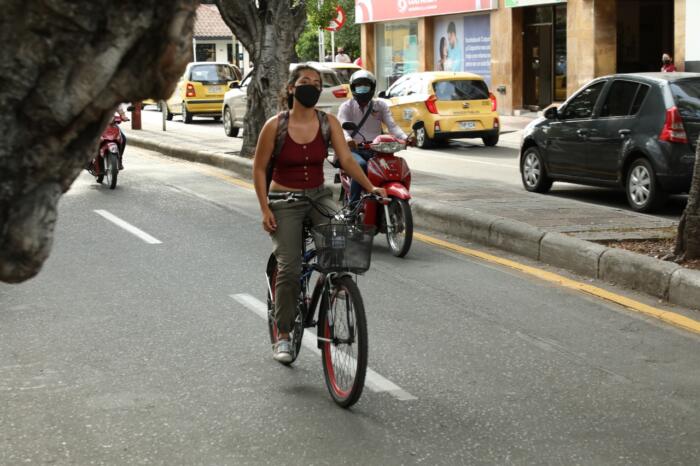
[(106, 164), (388, 171)]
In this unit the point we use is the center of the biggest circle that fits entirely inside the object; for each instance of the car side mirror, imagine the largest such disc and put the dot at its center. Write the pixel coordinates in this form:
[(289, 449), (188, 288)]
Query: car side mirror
[(551, 113), (349, 126), (235, 85), (382, 95)]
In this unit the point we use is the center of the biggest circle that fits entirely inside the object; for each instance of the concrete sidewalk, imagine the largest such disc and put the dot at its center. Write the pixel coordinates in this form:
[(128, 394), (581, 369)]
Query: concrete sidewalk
[(551, 229)]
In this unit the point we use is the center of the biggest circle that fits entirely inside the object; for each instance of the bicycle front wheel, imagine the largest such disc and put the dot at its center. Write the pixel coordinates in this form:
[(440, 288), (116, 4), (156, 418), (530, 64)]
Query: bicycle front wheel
[(343, 337)]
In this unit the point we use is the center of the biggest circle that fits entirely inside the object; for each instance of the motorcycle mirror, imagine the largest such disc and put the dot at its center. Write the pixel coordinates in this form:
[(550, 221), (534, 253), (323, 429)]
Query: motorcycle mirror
[(349, 126)]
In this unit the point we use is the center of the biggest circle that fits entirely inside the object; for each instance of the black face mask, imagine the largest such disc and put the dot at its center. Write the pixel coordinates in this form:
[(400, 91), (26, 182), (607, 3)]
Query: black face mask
[(307, 95)]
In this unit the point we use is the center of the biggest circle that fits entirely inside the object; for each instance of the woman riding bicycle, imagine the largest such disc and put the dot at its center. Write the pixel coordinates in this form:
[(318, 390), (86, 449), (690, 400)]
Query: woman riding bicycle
[(297, 168)]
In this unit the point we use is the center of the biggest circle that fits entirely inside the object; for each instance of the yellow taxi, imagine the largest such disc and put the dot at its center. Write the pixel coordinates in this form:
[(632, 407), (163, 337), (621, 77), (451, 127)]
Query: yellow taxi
[(450, 105), (200, 91)]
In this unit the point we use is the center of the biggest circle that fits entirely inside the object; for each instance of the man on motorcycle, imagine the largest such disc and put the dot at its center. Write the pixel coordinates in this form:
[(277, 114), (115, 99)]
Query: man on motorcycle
[(368, 114)]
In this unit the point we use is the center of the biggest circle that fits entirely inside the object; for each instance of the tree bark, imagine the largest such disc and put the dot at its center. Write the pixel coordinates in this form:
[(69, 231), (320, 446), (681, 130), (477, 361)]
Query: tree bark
[(688, 238), (64, 67), (269, 30)]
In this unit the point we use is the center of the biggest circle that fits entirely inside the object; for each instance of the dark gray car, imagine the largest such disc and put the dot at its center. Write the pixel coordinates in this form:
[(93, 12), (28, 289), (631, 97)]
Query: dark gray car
[(632, 131)]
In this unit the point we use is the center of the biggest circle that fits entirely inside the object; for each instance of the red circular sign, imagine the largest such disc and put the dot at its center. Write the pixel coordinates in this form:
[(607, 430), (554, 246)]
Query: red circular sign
[(338, 21)]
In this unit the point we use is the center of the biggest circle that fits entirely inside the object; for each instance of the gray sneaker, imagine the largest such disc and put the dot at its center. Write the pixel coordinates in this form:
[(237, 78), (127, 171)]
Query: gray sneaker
[(283, 351)]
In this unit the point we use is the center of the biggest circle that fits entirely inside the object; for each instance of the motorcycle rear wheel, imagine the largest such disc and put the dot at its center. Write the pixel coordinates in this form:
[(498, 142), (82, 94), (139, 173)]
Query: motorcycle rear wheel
[(401, 237)]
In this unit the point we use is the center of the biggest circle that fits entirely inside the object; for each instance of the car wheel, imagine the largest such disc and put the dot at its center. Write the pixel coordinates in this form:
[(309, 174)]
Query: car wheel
[(422, 139), (229, 129), (490, 141), (533, 173), (186, 116), (643, 192)]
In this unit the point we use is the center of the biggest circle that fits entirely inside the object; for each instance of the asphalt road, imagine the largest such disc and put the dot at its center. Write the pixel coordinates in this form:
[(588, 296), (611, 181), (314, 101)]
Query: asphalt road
[(467, 159), (131, 349)]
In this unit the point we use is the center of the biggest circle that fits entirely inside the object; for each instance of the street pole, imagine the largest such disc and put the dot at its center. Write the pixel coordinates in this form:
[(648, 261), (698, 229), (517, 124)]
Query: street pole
[(321, 45), (332, 45), (164, 111)]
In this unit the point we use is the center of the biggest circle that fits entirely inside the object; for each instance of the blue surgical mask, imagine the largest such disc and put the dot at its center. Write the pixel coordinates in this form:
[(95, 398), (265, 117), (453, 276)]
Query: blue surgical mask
[(362, 89)]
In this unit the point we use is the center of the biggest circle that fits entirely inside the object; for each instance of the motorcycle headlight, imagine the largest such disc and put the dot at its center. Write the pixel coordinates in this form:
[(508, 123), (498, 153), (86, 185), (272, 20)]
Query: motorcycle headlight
[(388, 147)]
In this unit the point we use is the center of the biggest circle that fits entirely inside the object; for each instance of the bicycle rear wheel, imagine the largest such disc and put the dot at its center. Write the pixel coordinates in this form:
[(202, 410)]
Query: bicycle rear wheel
[(297, 333), (343, 337)]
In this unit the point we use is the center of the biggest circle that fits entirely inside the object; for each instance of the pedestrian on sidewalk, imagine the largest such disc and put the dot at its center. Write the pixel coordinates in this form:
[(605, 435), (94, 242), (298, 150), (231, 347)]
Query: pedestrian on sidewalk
[(668, 66), (342, 57)]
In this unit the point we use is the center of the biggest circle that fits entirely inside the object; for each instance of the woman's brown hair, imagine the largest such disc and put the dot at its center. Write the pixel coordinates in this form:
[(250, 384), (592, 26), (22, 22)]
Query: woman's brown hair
[(293, 76)]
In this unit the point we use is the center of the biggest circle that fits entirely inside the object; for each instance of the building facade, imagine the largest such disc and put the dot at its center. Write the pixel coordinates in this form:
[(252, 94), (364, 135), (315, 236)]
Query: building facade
[(212, 39), (532, 53)]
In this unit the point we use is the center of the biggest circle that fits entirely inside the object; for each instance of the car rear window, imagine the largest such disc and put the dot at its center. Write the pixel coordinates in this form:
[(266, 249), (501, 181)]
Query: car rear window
[(344, 74), (461, 89), (212, 74), (330, 79), (686, 93)]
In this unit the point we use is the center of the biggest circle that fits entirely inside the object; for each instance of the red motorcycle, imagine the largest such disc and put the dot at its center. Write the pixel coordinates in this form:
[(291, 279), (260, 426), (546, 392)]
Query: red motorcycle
[(106, 164), (388, 171)]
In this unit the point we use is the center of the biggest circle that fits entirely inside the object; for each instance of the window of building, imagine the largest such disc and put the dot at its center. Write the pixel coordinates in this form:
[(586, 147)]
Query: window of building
[(205, 52), (397, 51)]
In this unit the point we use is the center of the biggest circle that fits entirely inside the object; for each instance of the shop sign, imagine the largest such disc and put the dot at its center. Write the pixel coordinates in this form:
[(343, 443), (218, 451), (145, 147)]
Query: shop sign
[(368, 11), (514, 3)]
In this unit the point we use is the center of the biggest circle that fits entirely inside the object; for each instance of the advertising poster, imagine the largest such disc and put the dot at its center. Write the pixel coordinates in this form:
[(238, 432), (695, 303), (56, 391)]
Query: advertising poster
[(463, 43), (477, 46), (449, 41)]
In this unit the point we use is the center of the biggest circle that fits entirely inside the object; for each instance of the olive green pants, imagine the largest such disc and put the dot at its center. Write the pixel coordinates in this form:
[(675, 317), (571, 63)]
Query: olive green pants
[(287, 248)]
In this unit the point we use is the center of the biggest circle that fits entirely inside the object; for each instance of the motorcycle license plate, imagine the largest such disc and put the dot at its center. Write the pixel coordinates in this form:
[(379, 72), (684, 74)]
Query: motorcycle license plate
[(467, 124), (214, 90)]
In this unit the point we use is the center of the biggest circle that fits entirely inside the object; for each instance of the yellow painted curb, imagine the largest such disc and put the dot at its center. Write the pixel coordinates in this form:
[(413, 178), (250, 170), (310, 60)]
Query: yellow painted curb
[(667, 316)]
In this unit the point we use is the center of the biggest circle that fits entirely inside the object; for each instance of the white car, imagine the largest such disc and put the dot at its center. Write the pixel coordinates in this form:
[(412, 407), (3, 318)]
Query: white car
[(234, 108)]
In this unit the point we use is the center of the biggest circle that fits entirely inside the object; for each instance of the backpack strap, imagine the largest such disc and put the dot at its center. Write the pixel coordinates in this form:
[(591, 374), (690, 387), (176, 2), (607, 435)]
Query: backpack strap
[(364, 118), (282, 125), (325, 127)]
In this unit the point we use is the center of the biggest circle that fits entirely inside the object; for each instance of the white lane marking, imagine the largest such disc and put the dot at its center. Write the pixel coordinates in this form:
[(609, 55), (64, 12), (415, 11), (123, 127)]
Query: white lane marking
[(373, 380), (459, 158), (128, 227)]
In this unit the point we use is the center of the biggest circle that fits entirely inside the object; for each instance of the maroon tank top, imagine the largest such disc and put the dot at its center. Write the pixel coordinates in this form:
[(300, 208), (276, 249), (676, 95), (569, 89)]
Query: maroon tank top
[(300, 166)]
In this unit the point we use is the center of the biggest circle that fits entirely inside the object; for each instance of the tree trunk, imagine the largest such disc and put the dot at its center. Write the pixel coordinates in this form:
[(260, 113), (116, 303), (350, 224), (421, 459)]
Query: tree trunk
[(688, 239), (269, 30), (64, 67)]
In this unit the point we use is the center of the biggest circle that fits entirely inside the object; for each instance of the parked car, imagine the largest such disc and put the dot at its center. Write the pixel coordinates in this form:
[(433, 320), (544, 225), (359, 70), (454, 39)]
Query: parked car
[(235, 100), (451, 105), (200, 91), (632, 131)]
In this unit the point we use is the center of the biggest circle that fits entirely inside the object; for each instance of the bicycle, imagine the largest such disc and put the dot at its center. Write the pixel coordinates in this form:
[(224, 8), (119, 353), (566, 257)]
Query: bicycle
[(335, 251)]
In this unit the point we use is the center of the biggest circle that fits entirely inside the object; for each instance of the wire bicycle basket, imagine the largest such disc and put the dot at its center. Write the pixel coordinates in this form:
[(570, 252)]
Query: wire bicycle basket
[(343, 247)]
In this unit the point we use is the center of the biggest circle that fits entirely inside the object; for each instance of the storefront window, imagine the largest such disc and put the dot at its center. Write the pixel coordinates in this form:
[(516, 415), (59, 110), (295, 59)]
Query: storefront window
[(397, 51), (560, 53)]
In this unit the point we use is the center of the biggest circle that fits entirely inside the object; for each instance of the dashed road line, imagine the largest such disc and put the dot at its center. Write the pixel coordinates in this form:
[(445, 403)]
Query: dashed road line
[(128, 227), (374, 381)]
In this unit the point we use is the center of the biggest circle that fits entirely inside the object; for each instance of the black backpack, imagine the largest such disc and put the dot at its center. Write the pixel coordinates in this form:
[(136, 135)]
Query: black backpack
[(282, 125)]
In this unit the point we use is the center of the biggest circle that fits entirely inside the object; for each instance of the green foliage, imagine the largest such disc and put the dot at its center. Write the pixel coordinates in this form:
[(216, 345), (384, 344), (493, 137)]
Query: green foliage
[(319, 16), (347, 37), (307, 46)]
